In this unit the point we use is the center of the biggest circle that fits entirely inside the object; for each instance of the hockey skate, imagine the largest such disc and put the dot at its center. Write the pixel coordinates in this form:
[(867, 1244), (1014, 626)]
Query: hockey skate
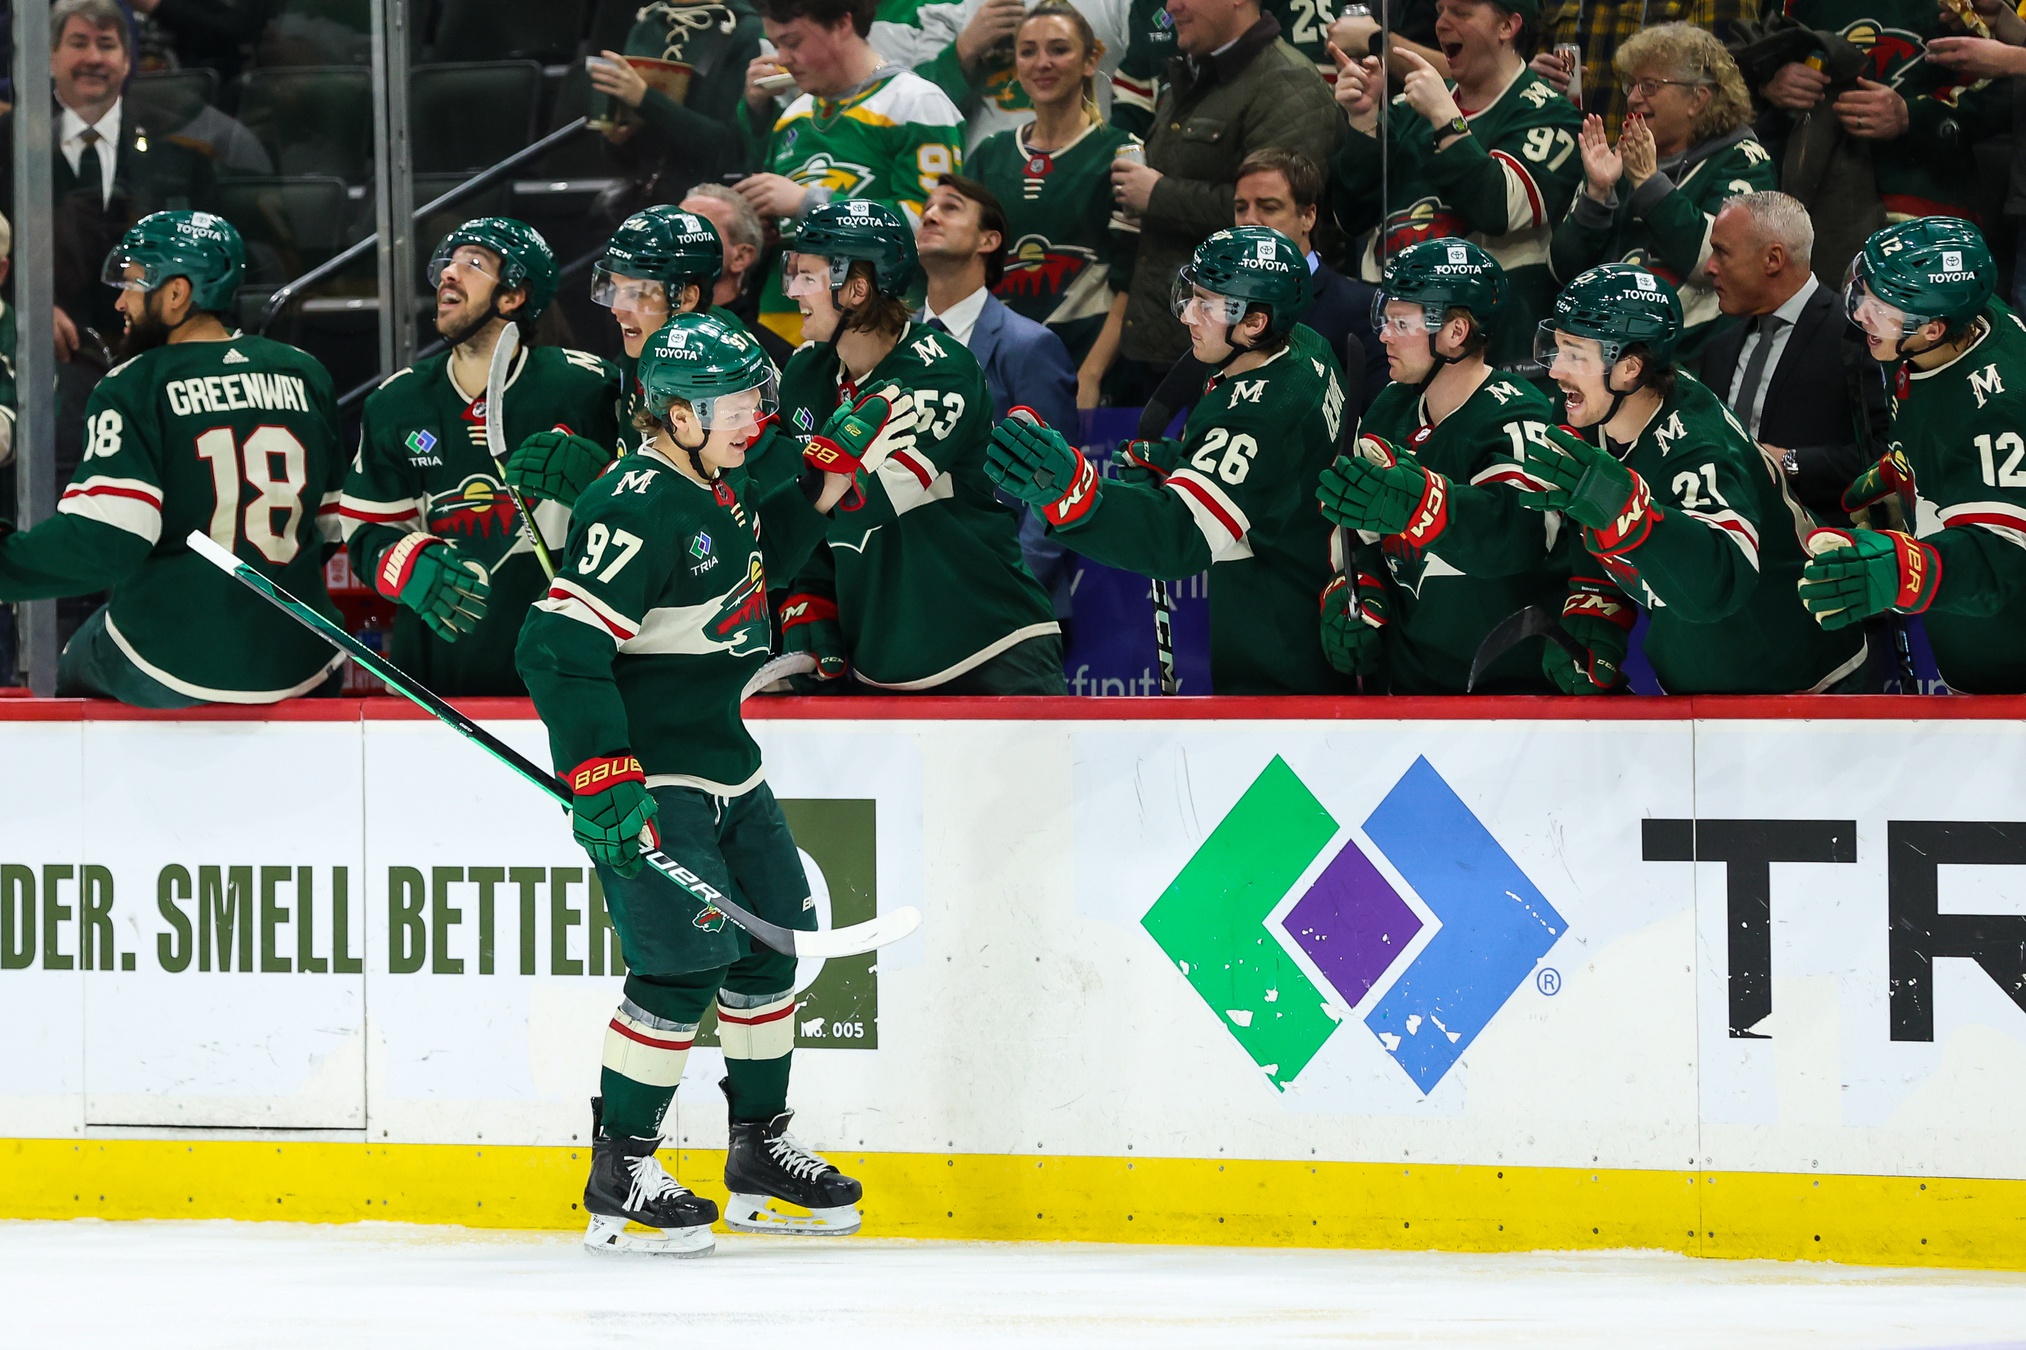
[(628, 1184), (764, 1165)]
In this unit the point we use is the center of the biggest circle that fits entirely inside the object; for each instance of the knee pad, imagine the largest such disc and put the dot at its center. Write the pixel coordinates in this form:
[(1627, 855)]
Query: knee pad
[(756, 1026)]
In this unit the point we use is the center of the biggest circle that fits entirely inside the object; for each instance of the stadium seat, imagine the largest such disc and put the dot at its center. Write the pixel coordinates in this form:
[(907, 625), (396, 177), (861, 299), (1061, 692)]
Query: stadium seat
[(167, 99), (446, 134), (289, 224), (318, 33), (314, 120), (493, 30)]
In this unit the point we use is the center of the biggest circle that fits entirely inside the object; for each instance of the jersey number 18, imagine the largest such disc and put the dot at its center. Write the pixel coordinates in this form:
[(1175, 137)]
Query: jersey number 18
[(274, 464)]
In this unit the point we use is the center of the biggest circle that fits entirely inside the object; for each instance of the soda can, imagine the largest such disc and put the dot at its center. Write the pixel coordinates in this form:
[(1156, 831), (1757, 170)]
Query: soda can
[(1571, 56)]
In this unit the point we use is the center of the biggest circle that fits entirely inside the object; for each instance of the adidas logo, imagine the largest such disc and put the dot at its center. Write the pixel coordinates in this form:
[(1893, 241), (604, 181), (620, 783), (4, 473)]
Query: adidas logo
[(233, 358)]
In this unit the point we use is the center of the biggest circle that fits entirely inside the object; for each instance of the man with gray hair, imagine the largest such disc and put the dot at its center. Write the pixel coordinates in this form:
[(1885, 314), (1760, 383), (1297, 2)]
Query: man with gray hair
[(744, 237), (1795, 371)]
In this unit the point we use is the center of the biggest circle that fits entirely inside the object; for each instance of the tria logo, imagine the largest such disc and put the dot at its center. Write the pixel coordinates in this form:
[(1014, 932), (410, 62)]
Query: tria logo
[(1285, 925)]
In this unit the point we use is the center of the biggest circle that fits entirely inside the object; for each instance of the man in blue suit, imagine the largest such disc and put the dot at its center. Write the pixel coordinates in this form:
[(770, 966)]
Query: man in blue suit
[(962, 243)]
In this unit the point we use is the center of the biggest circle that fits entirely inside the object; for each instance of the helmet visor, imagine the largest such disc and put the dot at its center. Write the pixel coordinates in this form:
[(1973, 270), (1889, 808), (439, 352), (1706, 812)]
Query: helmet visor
[(1403, 318), (804, 274), (735, 409), (1569, 355), (1881, 319), (1191, 303), (462, 268), (615, 291), (124, 272)]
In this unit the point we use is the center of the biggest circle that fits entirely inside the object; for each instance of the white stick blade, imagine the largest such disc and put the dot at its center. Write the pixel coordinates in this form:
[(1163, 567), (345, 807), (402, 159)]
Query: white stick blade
[(860, 937), (209, 549)]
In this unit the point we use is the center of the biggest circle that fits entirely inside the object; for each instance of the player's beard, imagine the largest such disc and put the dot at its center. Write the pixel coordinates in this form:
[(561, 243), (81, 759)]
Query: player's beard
[(145, 333)]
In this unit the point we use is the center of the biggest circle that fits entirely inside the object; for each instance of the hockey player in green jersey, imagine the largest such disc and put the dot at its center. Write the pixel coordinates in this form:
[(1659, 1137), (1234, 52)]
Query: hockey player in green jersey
[(427, 516), (1681, 512), (1491, 158), (1448, 544), (921, 586), (1239, 494), (1922, 292), (636, 658), (201, 428)]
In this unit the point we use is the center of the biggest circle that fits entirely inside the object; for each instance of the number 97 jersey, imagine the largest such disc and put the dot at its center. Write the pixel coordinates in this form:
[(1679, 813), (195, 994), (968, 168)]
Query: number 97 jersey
[(237, 439)]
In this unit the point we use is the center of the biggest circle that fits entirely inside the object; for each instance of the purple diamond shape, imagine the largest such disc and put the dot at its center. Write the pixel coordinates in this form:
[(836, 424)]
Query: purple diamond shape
[(1352, 924)]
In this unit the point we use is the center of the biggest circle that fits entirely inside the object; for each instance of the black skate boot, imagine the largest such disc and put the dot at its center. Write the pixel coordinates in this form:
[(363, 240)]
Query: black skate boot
[(629, 1184), (763, 1162)]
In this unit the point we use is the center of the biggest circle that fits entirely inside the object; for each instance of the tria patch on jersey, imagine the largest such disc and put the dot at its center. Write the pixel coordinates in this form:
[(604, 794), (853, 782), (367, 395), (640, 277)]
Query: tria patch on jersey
[(700, 547), (804, 420), (421, 444)]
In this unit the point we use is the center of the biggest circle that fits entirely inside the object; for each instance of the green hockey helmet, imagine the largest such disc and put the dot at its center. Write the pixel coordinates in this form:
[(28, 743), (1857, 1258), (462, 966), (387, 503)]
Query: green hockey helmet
[(202, 248), (1248, 267), (1438, 275), (664, 245), (856, 231), (1913, 273), (1617, 306), (524, 258), (701, 360)]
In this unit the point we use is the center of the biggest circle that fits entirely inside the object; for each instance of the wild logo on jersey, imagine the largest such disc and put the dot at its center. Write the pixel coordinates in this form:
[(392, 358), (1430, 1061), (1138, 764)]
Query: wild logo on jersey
[(1039, 269), (843, 178), (1425, 219), (478, 516), (743, 625)]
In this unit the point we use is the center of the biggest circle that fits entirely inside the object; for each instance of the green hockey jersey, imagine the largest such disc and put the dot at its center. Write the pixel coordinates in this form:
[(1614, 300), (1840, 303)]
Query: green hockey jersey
[(235, 438), (1142, 69), (925, 569), (423, 465), (889, 142), (656, 619), (1503, 186), (1241, 502), (1664, 224), (1067, 250), (1962, 427), (1492, 557), (990, 94), (1719, 573)]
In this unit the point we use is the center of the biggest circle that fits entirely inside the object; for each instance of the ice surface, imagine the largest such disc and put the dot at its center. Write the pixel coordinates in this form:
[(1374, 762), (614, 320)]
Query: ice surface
[(371, 1286)]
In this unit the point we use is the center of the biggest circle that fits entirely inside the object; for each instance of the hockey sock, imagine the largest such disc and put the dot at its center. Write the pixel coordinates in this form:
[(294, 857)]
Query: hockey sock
[(646, 1046), (757, 1032)]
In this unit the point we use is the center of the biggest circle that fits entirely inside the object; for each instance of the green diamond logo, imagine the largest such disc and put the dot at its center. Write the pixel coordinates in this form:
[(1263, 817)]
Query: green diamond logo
[(700, 547)]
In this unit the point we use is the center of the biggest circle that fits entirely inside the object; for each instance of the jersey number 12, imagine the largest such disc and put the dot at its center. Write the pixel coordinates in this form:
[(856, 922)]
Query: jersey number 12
[(274, 464)]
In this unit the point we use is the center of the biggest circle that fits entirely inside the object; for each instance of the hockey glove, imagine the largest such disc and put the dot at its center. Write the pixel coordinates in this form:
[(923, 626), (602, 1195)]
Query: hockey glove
[(1029, 459), (1383, 491), (1854, 574), (1890, 476), (1590, 487), (862, 436), (426, 574), (1144, 461), (809, 624), (1353, 614), (1601, 619), (556, 466), (612, 812)]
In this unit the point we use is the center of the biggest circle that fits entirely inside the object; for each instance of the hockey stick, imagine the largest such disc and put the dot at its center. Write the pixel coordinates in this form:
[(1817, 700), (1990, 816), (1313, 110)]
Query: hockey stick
[(1164, 635), (860, 937), (504, 349)]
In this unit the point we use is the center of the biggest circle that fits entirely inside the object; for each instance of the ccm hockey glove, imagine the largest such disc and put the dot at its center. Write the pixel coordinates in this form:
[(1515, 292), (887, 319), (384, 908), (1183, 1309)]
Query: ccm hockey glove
[(1144, 461), (1353, 614), (1854, 574), (1383, 491), (426, 574), (1890, 476), (1029, 459), (809, 624), (612, 812), (863, 435), (556, 466), (1600, 619), (1589, 486)]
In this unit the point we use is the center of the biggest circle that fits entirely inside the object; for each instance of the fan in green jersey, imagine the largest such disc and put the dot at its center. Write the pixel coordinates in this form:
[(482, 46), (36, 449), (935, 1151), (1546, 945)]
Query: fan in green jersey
[(636, 658), (1682, 513), (1431, 495), (202, 428), (426, 510), (1240, 499), (1922, 292)]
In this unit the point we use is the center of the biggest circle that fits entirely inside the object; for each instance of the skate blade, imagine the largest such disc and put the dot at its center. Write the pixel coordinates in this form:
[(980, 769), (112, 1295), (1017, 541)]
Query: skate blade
[(751, 1214), (607, 1235)]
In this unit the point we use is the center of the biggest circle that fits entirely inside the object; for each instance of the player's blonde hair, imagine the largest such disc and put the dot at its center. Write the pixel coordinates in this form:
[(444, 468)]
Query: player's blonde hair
[(1685, 52)]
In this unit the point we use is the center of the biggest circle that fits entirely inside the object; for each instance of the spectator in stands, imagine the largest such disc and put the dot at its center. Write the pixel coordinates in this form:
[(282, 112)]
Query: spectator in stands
[(1601, 27), (212, 33), (1797, 374), (1239, 87), (745, 239), (1068, 251), (975, 57), (679, 83), (2002, 56), (1687, 146), (962, 245), (859, 128)]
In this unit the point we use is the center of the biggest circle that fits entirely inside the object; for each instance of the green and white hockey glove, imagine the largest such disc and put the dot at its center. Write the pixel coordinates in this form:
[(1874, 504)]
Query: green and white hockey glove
[(426, 574), (809, 624), (1854, 574), (861, 437), (1031, 460), (1600, 618), (612, 812), (1381, 490), (1353, 614), (556, 466), (1590, 487), (1890, 476), (1144, 461)]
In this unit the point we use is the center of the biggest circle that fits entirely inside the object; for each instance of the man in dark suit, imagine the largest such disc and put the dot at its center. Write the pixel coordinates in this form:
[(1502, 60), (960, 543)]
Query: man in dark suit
[(1796, 371), (962, 244)]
